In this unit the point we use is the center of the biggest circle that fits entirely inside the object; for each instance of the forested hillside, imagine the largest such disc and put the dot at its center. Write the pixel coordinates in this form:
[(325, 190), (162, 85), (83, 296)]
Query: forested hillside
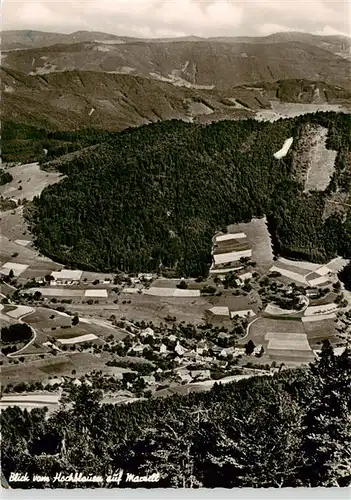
[(154, 196), (291, 429)]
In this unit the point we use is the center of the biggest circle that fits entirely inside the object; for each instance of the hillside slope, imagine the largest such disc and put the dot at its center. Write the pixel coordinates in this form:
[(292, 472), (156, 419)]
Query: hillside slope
[(206, 63), (82, 99), (155, 196), (65, 100)]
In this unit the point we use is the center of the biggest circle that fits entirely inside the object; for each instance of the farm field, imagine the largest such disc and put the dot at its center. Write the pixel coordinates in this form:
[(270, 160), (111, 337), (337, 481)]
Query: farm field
[(281, 339), (317, 331), (56, 292), (170, 292), (288, 346), (29, 401), (286, 272)]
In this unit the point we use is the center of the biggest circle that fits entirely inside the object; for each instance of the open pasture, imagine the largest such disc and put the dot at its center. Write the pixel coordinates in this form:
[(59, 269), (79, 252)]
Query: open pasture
[(49, 324), (31, 179), (18, 312), (337, 264), (25, 256), (43, 319), (59, 365), (14, 227), (234, 302), (155, 308)]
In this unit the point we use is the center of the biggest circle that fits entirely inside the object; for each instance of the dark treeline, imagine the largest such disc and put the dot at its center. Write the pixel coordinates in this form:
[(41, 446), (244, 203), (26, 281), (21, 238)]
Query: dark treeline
[(291, 429), (345, 276), (155, 196), (25, 143)]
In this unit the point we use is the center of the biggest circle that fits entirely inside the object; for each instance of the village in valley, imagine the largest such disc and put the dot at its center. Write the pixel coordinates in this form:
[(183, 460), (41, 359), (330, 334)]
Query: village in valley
[(150, 335)]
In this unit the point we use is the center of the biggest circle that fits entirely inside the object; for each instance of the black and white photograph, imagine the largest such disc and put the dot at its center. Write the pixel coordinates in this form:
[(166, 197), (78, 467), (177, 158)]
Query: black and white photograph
[(175, 247)]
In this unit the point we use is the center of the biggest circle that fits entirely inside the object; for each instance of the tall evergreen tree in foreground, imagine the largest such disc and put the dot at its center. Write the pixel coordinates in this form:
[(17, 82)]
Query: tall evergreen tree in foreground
[(326, 436)]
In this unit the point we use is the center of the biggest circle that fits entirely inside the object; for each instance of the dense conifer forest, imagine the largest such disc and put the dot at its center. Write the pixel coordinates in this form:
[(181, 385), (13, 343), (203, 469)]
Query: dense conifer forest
[(155, 195), (290, 429)]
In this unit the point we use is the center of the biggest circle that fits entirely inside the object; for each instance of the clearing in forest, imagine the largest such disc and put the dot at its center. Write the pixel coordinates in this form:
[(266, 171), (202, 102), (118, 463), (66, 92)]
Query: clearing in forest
[(319, 161), (28, 181), (259, 239)]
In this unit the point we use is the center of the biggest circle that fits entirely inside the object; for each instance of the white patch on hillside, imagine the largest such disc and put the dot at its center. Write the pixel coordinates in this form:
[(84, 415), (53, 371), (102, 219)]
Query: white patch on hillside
[(230, 236), (102, 48), (110, 42), (180, 82), (81, 338), (122, 70), (8, 89), (284, 150), (321, 162), (22, 243), (96, 293)]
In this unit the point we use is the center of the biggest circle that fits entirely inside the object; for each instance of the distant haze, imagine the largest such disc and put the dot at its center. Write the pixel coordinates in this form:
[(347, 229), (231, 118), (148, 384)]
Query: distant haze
[(176, 18)]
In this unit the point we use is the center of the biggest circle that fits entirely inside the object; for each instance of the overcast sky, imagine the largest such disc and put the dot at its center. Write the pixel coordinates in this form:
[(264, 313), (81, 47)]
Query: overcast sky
[(150, 18)]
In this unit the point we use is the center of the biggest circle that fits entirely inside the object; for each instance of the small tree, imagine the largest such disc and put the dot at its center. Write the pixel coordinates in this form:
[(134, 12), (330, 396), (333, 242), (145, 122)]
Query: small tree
[(182, 285), (75, 320), (249, 347)]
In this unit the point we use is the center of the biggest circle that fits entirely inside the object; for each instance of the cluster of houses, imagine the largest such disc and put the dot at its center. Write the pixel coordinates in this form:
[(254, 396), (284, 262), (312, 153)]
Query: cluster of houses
[(185, 352)]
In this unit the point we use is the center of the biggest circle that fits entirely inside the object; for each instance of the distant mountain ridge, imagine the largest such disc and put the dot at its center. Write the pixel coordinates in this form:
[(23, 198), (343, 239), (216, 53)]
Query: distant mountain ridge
[(12, 39)]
